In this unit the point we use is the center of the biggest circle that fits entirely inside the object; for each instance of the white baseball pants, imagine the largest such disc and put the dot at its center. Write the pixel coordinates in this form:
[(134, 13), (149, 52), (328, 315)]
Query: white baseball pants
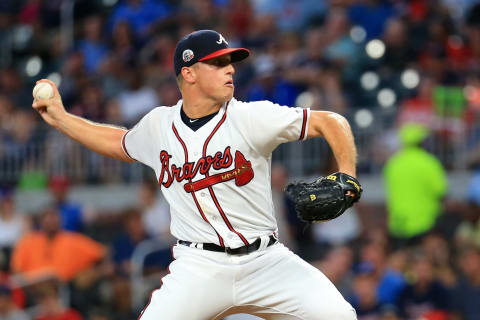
[(272, 284)]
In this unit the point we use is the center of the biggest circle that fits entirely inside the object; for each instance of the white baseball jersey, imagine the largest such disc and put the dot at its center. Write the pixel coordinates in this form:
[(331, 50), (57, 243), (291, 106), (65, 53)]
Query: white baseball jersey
[(217, 178)]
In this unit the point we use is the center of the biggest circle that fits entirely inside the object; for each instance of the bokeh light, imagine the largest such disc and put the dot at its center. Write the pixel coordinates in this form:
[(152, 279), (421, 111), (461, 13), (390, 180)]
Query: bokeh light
[(386, 97), (33, 66), (369, 80), (358, 34), (56, 78), (109, 3), (410, 78), (363, 118), (305, 100), (375, 48)]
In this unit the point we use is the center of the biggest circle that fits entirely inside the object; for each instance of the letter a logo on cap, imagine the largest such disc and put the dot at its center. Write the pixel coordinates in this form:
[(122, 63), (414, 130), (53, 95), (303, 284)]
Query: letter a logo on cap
[(187, 55), (222, 39)]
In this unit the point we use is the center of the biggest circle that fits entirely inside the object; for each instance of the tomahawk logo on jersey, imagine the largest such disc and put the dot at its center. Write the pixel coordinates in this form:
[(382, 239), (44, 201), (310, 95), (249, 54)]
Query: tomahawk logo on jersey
[(217, 179)]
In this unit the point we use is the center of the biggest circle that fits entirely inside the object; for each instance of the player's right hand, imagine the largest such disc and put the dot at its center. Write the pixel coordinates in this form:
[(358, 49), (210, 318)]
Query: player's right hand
[(51, 110)]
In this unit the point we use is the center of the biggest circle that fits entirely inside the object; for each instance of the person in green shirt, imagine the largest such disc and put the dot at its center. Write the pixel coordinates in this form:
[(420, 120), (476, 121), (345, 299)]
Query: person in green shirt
[(416, 183)]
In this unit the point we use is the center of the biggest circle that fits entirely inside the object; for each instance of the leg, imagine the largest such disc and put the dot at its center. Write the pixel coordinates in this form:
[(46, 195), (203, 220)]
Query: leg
[(197, 288), (283, 286)]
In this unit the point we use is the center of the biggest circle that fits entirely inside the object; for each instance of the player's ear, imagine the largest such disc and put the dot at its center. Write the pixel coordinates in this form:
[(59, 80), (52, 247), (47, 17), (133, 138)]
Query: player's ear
[(188, 74)]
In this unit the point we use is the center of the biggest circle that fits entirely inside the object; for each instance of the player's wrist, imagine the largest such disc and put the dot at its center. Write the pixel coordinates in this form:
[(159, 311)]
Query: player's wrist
[(62, 120), (349, 171)]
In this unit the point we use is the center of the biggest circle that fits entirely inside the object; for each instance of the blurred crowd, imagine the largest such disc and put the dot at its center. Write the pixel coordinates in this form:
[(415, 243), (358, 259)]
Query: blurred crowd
[(379, 63), (69, 262), (382, 64)]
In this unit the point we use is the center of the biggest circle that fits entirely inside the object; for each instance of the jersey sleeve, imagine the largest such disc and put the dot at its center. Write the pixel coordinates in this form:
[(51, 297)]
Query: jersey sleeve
[(272, 124), (139, 143)]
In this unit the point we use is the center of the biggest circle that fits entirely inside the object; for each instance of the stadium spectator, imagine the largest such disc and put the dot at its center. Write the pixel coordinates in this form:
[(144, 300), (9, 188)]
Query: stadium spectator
[(436, 247), (339, 46), (419, 108), (137, 98), (8, 309), (123, 44), (158, 56), (415, 184), (389, 282), (6, 108), (468, 232), (119, 307), (155, 212), (364, 298), (13, 225), (268, 86), (425, 294), (466, 293), (291, 15), (50, 305), (71, 214), (52, 251), (92, 45), (241, 16), (141, 15), (127, 241), (399, 53), (337, 266), (13, 86), (372, 16)]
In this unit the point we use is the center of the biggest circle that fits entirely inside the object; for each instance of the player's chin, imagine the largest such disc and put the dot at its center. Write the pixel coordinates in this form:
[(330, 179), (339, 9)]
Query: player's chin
[(228, 94)]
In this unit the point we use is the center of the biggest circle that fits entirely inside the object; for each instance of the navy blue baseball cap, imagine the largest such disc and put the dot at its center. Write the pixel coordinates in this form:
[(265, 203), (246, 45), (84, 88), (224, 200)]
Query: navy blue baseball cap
[(203, 45)]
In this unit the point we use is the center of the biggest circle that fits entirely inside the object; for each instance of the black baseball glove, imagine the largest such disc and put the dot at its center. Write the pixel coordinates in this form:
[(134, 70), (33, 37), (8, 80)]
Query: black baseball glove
[(325, 198)]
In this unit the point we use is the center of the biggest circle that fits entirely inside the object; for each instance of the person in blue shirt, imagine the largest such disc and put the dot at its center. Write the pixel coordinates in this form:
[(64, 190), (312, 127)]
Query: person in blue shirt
[(71, 213), (140, 14)]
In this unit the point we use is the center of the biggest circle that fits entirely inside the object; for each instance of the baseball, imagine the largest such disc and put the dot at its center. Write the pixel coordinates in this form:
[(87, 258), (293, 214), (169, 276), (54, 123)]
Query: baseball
[(43, 90)]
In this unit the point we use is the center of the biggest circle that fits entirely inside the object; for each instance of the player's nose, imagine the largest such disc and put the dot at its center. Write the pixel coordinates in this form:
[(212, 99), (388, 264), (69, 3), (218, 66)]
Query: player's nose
[(230, 69)]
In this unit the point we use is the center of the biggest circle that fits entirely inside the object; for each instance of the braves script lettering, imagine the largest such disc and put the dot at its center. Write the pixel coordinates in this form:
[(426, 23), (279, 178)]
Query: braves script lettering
[(190, 169)]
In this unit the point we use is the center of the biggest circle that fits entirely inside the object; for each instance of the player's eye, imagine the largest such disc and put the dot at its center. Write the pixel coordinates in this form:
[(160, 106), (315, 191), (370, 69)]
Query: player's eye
[(219, 62)]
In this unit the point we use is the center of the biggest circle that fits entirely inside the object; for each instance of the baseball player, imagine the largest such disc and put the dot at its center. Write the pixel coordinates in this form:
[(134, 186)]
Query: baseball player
[(211, 155)]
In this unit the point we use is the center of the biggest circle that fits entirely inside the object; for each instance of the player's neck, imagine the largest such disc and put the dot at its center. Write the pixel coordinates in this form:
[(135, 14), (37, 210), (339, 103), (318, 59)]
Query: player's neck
[(200, 108)]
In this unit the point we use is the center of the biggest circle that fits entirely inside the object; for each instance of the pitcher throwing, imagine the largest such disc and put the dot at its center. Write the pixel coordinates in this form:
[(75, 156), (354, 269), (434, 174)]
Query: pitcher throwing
[(212, 154)]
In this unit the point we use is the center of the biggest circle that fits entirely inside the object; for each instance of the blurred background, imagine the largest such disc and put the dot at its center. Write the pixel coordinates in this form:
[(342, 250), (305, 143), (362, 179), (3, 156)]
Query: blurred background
[(85, 237)]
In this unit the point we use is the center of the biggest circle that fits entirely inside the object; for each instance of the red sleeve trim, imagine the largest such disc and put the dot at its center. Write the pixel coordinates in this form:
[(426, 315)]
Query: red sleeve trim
[(304, 125), (125, 148)]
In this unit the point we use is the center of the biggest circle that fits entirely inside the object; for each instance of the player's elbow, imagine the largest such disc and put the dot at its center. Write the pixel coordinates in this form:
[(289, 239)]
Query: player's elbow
[(322, 121), (335, 117)]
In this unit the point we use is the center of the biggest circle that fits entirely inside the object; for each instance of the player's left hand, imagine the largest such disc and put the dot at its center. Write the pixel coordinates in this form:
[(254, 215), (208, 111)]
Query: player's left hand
[(325, 198)]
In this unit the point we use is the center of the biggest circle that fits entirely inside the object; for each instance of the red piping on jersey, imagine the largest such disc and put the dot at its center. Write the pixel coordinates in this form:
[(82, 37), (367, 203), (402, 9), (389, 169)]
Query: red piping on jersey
[(220, 239), (124, 147), (210, 189), (304, 124)]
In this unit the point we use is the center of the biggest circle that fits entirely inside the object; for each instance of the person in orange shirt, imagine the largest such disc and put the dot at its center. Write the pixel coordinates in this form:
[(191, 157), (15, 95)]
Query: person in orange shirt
[(52, 251)]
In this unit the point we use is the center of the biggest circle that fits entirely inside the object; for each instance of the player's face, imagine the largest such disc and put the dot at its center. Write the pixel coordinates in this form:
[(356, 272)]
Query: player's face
[(215, 77)]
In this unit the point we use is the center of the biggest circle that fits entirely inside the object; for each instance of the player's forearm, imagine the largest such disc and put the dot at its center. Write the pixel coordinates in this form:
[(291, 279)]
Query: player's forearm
[(336, 130), (100, 138)]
